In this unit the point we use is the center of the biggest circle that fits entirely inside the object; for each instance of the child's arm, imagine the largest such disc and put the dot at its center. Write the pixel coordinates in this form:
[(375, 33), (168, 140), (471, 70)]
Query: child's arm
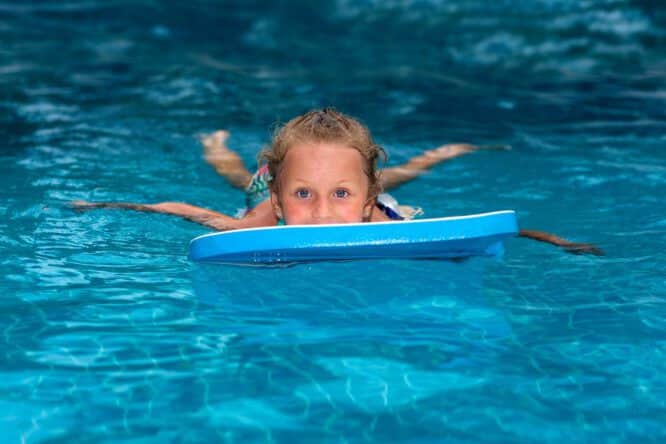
[(571, 247), (261, 216)]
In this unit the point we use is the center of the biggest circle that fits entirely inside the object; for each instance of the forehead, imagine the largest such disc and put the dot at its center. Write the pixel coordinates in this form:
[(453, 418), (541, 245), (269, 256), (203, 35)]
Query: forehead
[(317, 155)]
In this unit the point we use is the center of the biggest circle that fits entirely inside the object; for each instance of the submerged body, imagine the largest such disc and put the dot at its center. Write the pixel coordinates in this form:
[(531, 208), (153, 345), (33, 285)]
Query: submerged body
[(321, 169)]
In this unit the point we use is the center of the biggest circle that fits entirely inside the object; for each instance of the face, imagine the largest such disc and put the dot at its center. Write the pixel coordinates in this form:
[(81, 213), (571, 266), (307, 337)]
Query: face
[(322, 183)]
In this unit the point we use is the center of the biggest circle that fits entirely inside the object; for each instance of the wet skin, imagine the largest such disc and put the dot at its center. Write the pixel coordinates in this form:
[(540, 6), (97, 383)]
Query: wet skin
[(322, 183)]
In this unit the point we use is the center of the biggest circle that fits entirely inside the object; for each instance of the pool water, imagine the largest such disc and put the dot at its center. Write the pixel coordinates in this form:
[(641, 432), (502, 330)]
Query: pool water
[(109, 334)]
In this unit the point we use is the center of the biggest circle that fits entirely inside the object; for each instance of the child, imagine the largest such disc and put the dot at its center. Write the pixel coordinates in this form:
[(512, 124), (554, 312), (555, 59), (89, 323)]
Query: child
[(321, 167)]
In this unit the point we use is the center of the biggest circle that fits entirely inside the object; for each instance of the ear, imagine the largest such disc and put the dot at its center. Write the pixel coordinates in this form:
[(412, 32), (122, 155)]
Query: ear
[(367, 209), (275, 203)]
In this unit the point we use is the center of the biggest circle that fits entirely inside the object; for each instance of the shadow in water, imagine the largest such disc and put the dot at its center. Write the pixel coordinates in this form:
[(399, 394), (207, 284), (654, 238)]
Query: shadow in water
[(389, 298)]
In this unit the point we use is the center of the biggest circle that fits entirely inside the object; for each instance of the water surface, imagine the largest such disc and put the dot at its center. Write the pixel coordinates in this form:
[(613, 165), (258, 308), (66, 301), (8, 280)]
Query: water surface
[(109, 334)]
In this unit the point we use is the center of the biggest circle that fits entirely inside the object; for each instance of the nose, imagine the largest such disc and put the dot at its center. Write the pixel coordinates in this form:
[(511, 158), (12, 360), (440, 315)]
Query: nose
[(321, 211)]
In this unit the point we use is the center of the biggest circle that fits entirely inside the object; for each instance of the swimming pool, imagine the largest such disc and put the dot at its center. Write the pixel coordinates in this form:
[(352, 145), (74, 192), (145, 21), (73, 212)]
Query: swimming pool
[(109, 333)]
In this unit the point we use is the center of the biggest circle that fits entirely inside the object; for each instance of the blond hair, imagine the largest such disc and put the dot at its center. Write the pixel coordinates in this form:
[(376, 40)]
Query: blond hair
[(325, 125)]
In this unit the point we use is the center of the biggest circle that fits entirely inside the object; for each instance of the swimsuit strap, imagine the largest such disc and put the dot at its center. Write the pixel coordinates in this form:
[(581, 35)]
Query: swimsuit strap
[(389, 206)]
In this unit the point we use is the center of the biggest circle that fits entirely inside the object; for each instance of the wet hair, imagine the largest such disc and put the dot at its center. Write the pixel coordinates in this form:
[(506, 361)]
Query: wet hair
[(325, 125)]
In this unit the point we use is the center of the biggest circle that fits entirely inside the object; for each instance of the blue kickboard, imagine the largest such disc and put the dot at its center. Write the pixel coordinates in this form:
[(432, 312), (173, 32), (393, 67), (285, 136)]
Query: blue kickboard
[(445, 237)]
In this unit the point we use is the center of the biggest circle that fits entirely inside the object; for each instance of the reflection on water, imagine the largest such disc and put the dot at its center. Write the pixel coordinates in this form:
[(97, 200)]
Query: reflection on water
[(110, 334)]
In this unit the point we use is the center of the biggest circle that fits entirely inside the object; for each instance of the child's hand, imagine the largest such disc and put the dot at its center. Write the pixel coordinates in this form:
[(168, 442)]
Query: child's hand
[(570, 247), (82, 205), (500, 147), (582, 248)]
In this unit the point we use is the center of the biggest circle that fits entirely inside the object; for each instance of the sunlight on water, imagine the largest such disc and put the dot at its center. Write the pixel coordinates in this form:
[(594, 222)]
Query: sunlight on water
[(109, 333)]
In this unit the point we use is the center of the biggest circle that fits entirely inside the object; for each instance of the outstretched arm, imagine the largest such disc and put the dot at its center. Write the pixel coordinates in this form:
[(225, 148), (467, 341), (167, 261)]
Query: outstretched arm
[(261, 216), (571, 247), (396, 176)]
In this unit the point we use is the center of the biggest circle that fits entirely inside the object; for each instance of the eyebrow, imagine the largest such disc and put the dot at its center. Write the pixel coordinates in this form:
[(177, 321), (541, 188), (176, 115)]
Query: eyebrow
[(341, 182)]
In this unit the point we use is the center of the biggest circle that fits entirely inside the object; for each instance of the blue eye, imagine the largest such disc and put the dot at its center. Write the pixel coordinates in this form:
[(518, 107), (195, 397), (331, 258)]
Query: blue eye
[(341, 193), (302, 193)]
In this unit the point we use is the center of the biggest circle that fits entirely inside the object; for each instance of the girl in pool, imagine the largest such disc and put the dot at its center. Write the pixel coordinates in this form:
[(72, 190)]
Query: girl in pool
[(321, 167)]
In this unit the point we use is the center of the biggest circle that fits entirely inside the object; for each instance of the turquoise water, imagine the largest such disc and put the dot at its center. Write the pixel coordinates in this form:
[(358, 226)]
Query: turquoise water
[(109, 334)]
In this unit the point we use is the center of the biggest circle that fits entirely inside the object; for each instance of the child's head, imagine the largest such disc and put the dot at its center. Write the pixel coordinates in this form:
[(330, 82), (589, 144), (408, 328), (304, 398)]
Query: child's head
[(324, 169)]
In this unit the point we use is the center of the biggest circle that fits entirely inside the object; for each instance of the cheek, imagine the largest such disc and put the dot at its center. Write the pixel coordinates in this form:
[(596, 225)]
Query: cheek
[(356, 212), (292, 213), (295, 212)]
